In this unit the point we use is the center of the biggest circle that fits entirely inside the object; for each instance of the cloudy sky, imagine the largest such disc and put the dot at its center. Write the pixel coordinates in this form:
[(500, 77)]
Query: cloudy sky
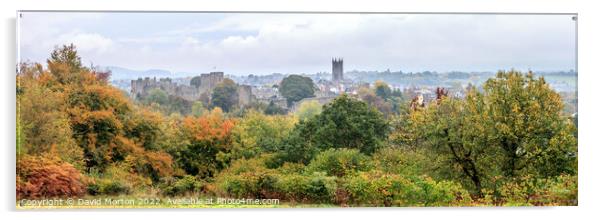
[(243, 44)]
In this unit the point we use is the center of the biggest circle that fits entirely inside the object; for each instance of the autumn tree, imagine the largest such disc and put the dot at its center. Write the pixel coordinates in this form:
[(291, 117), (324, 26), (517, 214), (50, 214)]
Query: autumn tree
[(308, 109), (204, 140), (257, 133), (513, 128), (531, 130), (43, 124), (47, 177), (104, 123), (456, 131), (369, 96)]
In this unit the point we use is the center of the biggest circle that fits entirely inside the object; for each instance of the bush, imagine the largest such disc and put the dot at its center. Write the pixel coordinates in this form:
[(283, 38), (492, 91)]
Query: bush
[(339, 162), (182, 186), (529, 190), (377, 189), (117, 179), (251, 178), (247, 178), (113, 188), (316, 187), (46, 177), (403, 161), (248, 184)]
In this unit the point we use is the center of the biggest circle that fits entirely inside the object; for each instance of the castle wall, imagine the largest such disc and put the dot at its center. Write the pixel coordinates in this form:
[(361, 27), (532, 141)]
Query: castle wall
[(141, 87), (245, 95)]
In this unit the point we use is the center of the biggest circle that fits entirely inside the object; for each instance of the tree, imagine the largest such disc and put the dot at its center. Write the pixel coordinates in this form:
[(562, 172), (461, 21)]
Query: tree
[(343, 123), (65, 65), (47, 177), (514, 128), (382, 90), (296, 87), (42, 122), (454, 130), (156, 96), (370, 97), (66, 54), (205, 140), (531, 130), (273, 109), (225, 95), (257, 133), (197, 109), (308, 109), (196, 81)]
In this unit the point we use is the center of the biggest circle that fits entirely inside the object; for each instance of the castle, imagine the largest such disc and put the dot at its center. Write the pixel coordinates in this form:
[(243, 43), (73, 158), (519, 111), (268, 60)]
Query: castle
[(207, 81), (337, 70), (199, 86), (142, 87)]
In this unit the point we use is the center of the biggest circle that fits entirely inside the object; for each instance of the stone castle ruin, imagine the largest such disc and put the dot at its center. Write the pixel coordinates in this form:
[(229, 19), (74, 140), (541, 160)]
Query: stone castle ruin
[(199, 86)]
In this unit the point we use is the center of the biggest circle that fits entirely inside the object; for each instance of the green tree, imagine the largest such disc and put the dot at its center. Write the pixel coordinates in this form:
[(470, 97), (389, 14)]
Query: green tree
[(197, 109), (382, 90), (273, 109), (225, 95), (343, 123), (156, 95), (514, 128), (195, 81), (296, 87), (257, 133), (456, 131), (531, 130)]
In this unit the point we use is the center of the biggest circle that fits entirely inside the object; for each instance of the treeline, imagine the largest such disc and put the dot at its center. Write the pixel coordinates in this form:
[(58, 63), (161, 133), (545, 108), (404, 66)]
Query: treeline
[(508, 144)]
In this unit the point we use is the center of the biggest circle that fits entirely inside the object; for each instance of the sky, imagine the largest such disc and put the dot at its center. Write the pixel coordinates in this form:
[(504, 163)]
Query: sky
[(252, 43)]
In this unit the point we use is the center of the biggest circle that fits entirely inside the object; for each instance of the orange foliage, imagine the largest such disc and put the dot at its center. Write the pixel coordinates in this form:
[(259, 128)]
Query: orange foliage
[(208, 128), (161, 163), (46, 177)]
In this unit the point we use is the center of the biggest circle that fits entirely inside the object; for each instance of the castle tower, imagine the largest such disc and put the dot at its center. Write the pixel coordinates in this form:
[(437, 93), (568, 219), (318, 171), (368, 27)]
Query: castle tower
[(337, 70)]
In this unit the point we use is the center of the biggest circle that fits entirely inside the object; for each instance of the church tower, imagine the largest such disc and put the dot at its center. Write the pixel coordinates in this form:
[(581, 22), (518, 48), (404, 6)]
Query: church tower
[(337, 70)]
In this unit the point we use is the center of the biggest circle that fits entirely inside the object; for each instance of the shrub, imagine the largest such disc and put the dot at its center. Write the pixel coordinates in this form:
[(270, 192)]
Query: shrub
[(339, 162), (186, 184), (316, 187), (247, 178), (113, 188), (118, 179), (44, 177), (377, 189), (251, 178), (403, 161), (529, 190)]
